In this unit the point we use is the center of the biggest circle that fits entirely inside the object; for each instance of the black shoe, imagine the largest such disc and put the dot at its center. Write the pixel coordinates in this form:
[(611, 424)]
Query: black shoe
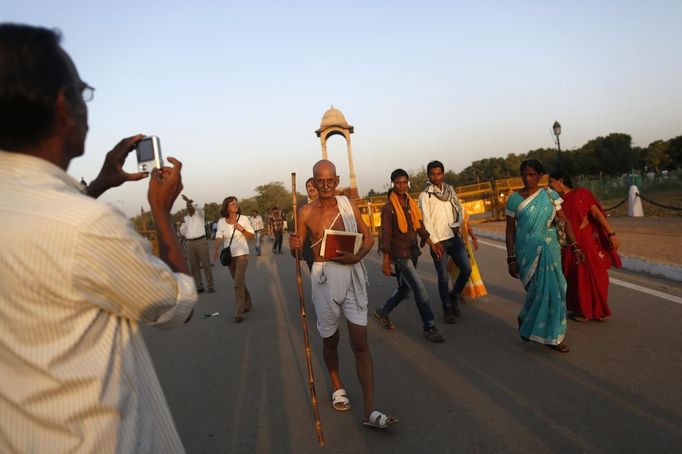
[(449, 316), (433, 335), (200, 290), (454, 302)]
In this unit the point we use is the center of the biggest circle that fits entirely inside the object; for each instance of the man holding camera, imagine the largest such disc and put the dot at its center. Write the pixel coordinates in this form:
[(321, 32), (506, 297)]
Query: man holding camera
[(76, 279), (194, 231)]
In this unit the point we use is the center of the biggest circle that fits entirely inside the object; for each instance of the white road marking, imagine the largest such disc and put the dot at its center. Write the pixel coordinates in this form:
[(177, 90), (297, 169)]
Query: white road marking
[(639, 288), (665, 296)]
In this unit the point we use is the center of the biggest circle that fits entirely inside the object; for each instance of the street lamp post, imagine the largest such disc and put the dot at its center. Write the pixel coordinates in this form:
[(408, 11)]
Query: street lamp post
[(557, 132)]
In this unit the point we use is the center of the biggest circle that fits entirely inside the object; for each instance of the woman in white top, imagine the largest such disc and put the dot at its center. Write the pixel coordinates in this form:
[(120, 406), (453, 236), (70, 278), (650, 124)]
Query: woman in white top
[(233, 222)]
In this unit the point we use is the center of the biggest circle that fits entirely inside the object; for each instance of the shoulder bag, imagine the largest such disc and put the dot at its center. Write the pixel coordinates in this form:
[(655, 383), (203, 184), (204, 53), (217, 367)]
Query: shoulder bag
[(226, 253)]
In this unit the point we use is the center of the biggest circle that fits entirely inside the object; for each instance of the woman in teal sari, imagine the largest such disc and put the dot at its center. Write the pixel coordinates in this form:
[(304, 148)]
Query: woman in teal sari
[(534, 256)]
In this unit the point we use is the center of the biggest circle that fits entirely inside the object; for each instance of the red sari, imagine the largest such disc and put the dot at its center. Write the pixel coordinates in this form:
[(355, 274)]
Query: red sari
[(588, 282)]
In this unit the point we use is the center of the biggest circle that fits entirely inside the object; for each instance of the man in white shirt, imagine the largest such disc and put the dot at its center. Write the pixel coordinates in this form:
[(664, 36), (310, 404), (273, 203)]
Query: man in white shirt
[(443, 216), (194, 231), (75, 278), (258, 225)]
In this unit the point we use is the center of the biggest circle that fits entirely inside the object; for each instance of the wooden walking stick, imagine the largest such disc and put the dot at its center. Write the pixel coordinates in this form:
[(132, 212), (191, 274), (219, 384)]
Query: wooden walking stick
[(304, 320)]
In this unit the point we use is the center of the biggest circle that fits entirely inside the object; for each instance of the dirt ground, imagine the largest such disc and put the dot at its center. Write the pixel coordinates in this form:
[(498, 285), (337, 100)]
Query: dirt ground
[(658, 239)]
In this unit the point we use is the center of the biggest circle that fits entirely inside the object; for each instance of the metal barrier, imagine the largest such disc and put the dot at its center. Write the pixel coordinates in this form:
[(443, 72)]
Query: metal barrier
[(483, 201), (503, 189)]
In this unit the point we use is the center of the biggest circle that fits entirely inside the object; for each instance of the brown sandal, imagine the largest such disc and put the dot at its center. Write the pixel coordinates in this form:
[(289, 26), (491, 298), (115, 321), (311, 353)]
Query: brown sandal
[(562, 348)]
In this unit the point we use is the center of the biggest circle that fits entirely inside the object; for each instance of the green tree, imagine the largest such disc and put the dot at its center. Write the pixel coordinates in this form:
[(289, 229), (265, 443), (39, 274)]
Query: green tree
[(212, 211), (675, 151), (418, 180), (612, 154), (271, 195), (656, 154)]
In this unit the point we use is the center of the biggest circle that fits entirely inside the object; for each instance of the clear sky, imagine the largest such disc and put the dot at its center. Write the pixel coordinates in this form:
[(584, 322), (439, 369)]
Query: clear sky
[(236, 90)]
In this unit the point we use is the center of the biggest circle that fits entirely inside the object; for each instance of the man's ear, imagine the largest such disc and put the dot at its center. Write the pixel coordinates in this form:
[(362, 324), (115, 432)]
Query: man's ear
[(63, 112)]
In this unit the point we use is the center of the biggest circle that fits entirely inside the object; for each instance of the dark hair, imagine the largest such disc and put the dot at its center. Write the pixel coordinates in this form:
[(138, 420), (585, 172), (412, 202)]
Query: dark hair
[(310, 180), (223, 208), (397, 173), (33, 68), (560, 174), (533, 164), (434, 165)]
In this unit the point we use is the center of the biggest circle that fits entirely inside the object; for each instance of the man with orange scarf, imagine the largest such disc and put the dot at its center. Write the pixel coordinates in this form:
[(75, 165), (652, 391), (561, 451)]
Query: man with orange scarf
[(400, 225)]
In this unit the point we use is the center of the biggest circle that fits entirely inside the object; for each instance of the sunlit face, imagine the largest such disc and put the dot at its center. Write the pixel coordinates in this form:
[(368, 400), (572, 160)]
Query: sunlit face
[(311, 190), (326, 181), (233, 206), (436, 176), (400, 185), (556, 185), (530, 177)]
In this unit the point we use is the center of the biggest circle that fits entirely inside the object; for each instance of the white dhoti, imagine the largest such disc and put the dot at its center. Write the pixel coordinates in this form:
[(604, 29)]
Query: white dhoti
[(337, 287), (334, 289)]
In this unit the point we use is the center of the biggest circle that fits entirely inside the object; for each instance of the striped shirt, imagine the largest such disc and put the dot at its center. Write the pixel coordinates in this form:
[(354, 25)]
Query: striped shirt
[(277, 223), (75, 280)]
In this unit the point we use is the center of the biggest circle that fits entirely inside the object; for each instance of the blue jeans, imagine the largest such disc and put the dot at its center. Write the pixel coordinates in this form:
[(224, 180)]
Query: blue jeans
[(258, 241), (408, 279), (454, 247)]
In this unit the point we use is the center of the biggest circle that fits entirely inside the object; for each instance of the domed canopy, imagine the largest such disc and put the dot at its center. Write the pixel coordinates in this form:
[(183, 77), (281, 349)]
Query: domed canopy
[(333, 118)]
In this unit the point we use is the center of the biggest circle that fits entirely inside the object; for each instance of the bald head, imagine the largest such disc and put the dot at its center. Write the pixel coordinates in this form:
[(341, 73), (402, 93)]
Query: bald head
[(324, 165), (326, 180)]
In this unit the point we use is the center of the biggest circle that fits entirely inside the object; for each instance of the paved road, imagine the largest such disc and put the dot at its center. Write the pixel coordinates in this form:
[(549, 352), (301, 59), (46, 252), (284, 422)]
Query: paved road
[(242, 387)]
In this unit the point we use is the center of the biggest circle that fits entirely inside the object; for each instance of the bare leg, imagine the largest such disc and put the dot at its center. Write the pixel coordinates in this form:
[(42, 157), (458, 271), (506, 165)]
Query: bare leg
[(330, 353), (363, 364)]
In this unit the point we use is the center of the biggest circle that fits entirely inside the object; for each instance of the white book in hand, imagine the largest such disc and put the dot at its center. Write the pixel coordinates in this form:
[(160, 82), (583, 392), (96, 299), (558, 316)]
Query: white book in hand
[(338, 240)]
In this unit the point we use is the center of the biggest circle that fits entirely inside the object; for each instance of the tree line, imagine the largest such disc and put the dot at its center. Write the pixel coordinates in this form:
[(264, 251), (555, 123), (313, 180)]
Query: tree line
[(611, 155)]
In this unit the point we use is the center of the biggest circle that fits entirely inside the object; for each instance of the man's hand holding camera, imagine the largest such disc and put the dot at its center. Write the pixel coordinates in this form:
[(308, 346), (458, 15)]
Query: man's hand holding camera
[(112, 173)]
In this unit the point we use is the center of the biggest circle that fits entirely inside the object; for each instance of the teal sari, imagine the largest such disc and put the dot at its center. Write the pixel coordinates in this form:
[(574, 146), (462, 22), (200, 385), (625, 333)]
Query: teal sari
[(543, 316)]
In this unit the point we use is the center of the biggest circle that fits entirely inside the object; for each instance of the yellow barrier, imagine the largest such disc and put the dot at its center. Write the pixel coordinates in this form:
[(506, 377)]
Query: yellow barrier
[(504, 188), (478, 199)]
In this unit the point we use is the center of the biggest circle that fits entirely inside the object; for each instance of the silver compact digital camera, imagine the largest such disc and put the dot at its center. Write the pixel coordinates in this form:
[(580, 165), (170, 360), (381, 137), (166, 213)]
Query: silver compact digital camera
[(149, 154)]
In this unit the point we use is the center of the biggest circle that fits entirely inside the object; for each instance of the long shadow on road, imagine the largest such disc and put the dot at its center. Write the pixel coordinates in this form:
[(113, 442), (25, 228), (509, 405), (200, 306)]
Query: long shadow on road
[(243, 387)]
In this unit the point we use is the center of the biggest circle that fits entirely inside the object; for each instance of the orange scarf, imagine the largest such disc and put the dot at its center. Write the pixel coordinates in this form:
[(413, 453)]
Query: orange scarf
[(415, 214)]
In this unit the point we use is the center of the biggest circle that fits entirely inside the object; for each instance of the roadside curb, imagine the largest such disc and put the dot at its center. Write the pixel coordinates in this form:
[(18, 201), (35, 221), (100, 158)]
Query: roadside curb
[(637, 264)]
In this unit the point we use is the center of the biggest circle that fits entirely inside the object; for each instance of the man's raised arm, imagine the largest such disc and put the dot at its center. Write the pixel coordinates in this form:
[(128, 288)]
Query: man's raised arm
[(112, 174)]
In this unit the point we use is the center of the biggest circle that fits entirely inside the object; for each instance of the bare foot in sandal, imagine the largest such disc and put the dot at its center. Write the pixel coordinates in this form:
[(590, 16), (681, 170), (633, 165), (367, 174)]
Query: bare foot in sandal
[(340, 400), (378, 420)]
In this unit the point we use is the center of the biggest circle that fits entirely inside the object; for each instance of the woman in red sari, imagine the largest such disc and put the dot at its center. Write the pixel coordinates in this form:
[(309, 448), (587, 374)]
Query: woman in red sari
[(588, 283)]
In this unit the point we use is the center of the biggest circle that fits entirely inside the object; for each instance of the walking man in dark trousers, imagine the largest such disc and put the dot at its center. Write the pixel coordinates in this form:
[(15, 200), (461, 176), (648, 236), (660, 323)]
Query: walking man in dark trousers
[(400, 225), (443, 217)]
